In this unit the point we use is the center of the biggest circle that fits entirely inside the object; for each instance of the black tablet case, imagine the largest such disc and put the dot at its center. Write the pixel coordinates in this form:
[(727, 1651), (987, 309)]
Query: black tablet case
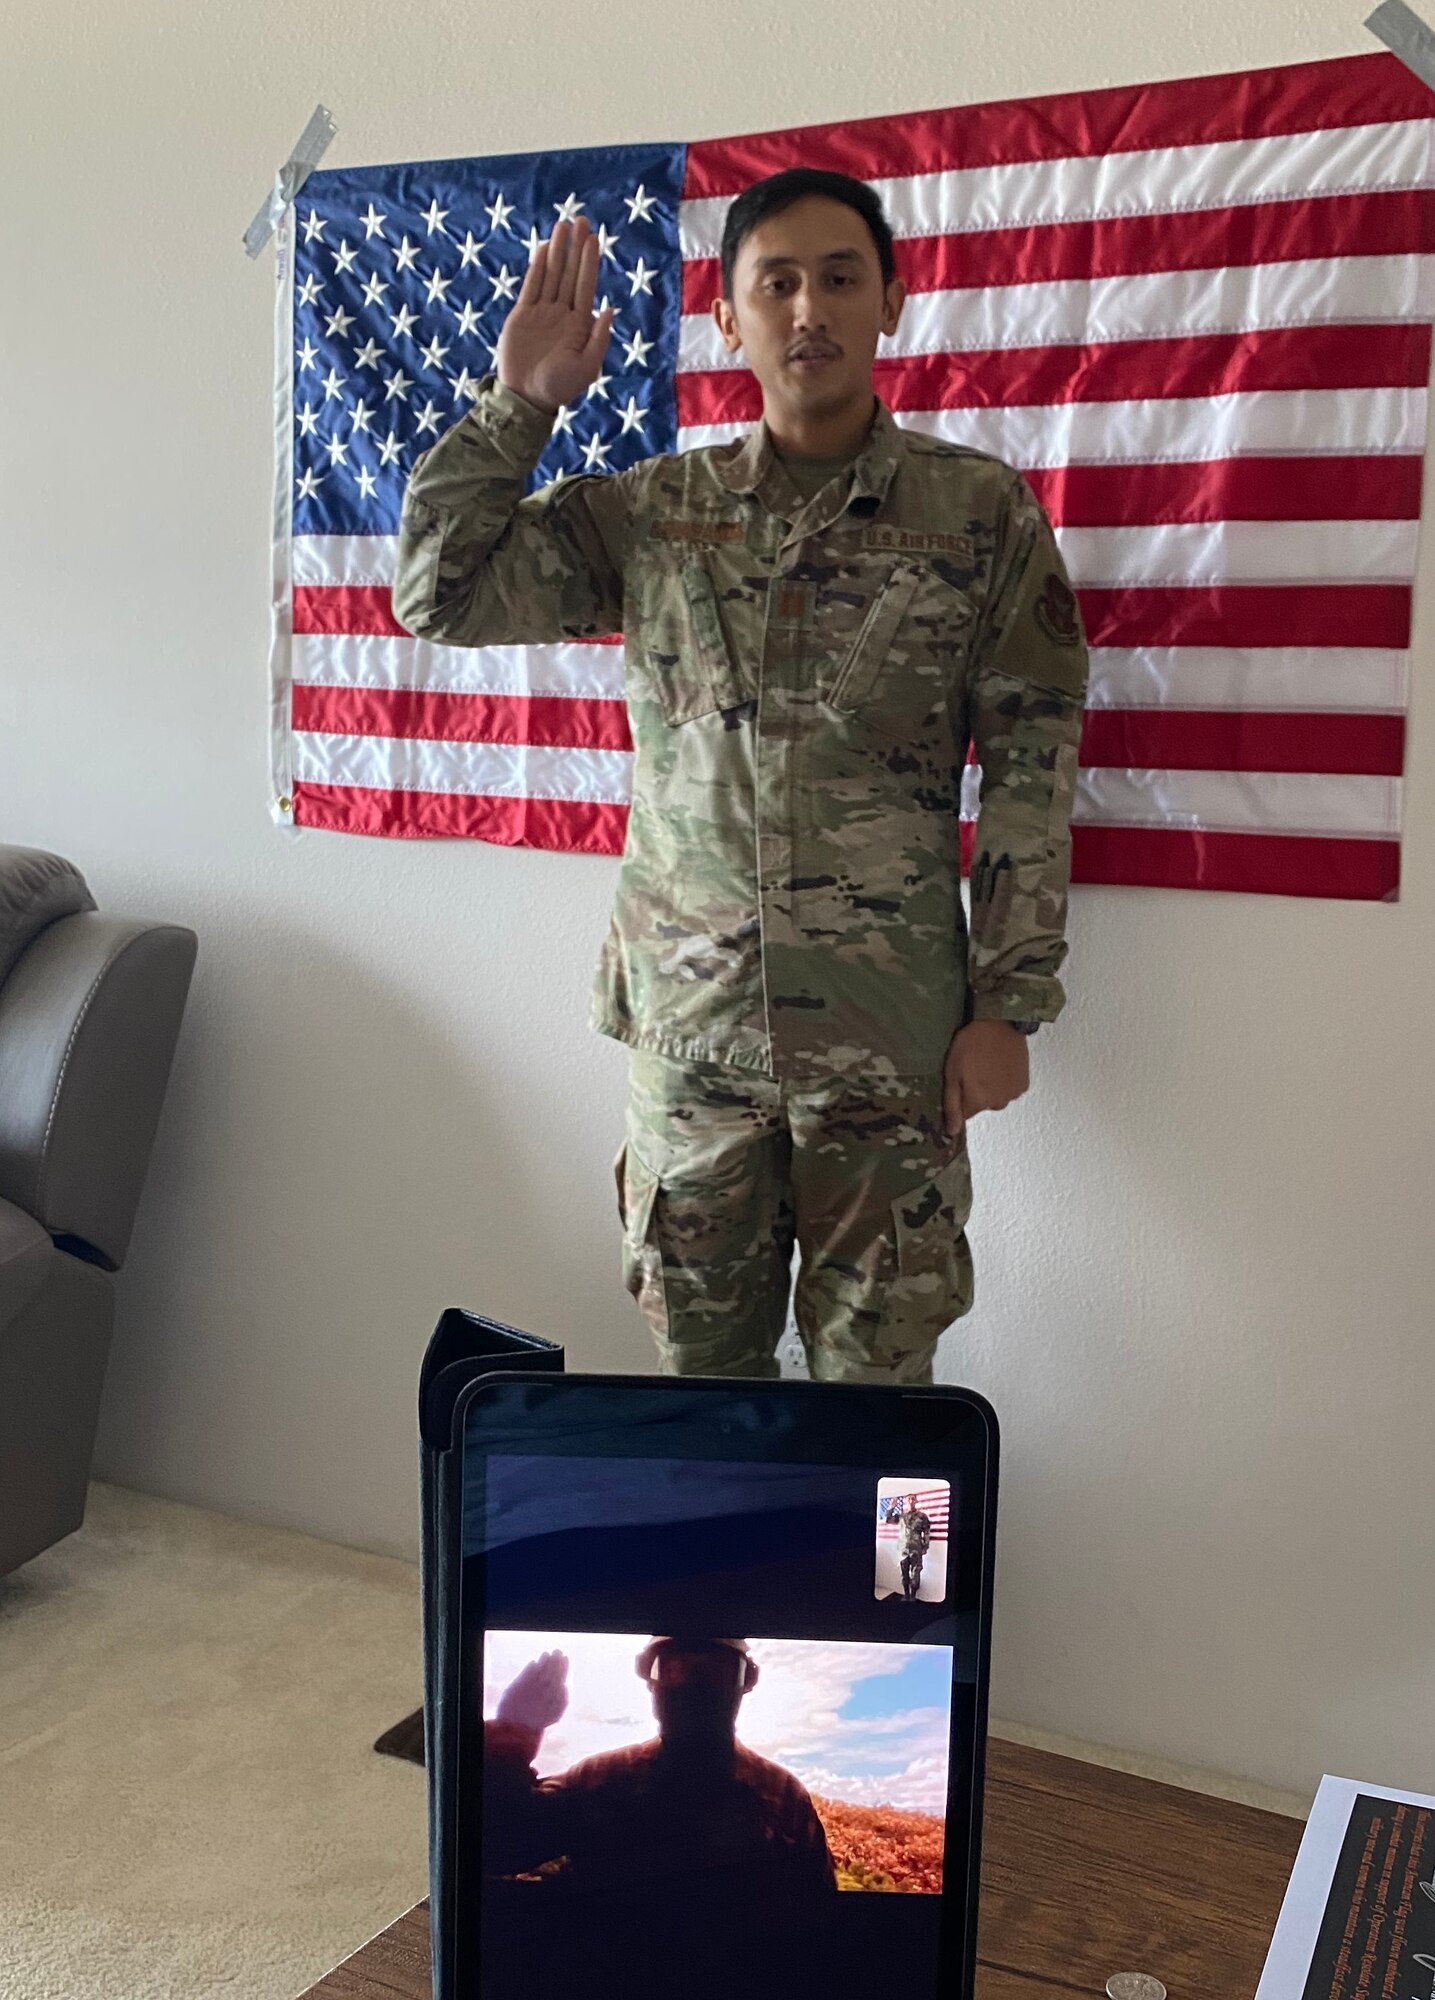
[(464, 1346)]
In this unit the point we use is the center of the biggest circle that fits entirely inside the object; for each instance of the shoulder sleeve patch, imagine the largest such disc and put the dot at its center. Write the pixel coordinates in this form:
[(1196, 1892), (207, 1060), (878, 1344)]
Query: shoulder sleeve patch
[(1055, 610)]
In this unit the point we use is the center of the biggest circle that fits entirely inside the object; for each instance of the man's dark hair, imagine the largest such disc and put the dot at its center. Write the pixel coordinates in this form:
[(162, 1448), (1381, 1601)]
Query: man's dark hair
[(779, 191)]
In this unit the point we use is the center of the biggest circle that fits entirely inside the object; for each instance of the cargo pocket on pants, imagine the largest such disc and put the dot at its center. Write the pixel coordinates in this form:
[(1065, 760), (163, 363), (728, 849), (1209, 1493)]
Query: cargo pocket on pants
[(929, 1222)]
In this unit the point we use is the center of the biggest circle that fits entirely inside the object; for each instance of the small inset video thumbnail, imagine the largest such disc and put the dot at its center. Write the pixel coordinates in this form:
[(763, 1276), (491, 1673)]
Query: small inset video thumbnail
[(913, 1526)]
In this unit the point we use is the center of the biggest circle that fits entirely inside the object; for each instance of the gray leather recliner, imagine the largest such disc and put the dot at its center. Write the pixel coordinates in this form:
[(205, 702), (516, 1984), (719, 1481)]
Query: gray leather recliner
[(90, 1007)]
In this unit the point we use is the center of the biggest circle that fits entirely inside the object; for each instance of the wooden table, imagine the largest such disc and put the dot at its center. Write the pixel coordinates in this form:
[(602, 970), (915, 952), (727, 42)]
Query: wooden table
[(1085, 1872)]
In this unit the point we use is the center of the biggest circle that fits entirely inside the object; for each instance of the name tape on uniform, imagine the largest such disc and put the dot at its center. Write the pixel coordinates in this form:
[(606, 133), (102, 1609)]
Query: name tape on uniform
[(703, 530)]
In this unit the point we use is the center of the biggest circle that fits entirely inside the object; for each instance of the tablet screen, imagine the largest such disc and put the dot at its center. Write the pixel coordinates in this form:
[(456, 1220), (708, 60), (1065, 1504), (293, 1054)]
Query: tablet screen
[(717, 1711)]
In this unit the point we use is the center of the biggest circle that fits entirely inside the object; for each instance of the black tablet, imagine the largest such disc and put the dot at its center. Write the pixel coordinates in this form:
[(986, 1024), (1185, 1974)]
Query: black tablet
[(718, 1675)]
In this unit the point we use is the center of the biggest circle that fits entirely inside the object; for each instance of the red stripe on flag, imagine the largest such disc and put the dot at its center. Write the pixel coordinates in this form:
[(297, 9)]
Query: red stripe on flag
[(1175, 739), (570, 825), (1270, 864), (1162, 857), (1249, 614), (1384, 487), (552, 721), (340, 608), (1186, 111), (1144, 739), (1216, 364), (1155, 369), (364, 609), (1274, 232)]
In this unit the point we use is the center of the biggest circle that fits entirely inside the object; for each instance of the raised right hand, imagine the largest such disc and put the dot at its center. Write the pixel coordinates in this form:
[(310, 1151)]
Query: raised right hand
[(537, 1696), (551, 347)]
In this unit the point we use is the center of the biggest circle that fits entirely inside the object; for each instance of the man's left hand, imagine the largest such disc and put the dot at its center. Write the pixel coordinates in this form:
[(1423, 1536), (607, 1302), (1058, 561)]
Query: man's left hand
[(987, 1066)]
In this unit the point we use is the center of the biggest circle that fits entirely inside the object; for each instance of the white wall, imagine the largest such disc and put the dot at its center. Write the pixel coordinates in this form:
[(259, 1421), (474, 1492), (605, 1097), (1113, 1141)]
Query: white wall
[(1204, 1242)]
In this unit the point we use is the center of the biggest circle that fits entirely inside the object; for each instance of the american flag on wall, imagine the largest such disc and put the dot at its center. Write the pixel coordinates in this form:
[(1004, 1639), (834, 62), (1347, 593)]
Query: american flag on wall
[(1195, 313), (934, 1501)]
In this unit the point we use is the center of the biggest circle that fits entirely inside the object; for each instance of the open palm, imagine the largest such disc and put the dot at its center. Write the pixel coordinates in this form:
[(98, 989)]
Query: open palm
[(552, 345), (537, 1696)]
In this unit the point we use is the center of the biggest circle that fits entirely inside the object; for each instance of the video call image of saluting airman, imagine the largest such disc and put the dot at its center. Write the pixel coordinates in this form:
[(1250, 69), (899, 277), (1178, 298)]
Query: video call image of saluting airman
[(913, 1526), (818, 617)]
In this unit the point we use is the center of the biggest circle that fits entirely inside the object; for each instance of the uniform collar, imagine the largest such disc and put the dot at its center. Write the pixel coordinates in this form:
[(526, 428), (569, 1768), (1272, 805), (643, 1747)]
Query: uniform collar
[(872, 469)]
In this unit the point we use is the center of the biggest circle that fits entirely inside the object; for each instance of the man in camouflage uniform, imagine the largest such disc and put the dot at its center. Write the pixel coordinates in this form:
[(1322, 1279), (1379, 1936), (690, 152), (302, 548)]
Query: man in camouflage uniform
[(817, 619), (916, 1533)]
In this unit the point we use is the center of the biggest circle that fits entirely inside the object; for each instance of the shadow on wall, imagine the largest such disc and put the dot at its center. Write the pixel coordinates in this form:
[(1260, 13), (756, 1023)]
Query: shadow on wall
[(337, 1163)]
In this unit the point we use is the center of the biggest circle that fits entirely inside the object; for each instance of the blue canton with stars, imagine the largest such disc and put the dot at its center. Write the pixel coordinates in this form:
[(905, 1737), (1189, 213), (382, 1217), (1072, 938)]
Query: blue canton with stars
[(403, 277)]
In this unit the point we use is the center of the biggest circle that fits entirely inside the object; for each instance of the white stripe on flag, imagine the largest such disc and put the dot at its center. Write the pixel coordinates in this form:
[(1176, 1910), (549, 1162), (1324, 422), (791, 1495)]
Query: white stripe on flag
[(356, 559), (1212, 552), (1228, 173), (1309, 679), (1164, 431), (1269, 802), (1369, 679), (1232, 298), (1190, 553), (1229, 801), (1191, 429), (576, 672), (501, 770)]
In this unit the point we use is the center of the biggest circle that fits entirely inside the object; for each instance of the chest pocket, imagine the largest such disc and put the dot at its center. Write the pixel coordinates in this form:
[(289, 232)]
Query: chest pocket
[(687, 656), (905, 654), (855, 675)]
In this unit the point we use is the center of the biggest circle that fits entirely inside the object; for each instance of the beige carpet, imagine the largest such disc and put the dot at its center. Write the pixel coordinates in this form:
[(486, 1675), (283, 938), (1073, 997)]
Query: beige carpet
[(190, 1805)]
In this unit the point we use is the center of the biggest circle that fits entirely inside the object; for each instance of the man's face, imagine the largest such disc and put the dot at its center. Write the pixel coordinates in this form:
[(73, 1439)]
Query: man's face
[(808, 306), (697, 1692)]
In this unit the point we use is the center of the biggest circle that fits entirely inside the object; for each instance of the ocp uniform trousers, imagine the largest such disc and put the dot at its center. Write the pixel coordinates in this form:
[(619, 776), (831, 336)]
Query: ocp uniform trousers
[(723, 1170)]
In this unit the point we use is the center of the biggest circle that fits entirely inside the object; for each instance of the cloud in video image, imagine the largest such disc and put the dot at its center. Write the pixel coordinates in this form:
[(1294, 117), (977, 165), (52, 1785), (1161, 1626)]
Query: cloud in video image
[(842, 1745), (913, 1525)]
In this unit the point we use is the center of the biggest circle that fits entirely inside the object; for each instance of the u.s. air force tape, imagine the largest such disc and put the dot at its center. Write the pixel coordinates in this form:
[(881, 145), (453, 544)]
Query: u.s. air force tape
[(1405, 35), (290, 178)]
